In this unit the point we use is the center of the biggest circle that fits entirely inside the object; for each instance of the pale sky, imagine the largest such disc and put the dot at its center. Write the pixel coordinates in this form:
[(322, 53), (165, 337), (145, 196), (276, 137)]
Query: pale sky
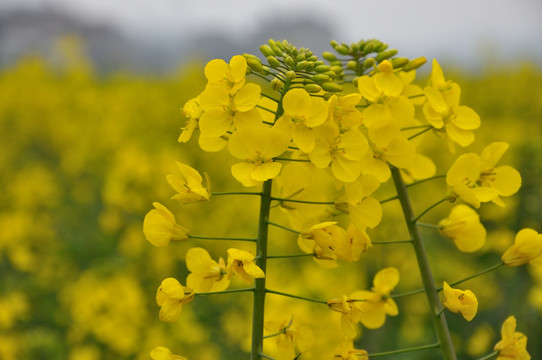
[(454, 27)]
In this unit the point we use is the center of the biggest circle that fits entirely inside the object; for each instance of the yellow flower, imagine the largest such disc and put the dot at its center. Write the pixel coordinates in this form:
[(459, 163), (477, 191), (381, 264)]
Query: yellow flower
[(346, 351), (364, 210), (389, 146), (290, 338), (306, 113), (355, 242), (378, 303), (222, 109), (189, 185), (384, 91), (160, 227), (343, 151), (205, 273), (351, 314), (171, 296), (257, 146), (464, 228), (461, 301), (442, 109), (322, 239), (162, 353), (230, 76), (476, 179), (193, 111), (513, 344), (343, 110), (242, 264), (527, 248)]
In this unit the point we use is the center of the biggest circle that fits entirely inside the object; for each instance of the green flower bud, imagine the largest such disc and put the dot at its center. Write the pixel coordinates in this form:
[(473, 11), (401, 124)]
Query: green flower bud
[(266, 50), (351, 65), (265, 70), (273, 61), (414, 64), (385, 55), (318, 63), (320, 78), (290, 74), (302, 65), (250, 56), (380, 47), (332, 87), (333, 44), (369, 47), (337, 69), (329, 56), (276, 84), (399, 62), (312, 58), (255, 65), (312, 88), (309, 53), (321, 68), (279, 45), (343, 50), (368, 62), (289, 61), (355, 81), (300, 57)]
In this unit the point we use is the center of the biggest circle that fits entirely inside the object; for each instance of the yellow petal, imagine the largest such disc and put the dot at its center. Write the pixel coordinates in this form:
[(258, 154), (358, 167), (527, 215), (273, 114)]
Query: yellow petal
[(296, 102), (507, 180), (386, 280), (247, 97)]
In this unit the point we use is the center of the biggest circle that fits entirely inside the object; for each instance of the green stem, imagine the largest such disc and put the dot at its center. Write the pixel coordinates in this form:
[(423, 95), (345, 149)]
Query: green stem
[(236, 193), (269, 97), (490, 356), (384, 242), (417, 291), (296, 297), (266, 356), (394, 352), (419, 133), (261, 261), (494, 267), (430, 226), (303, 201), (288, 256), (428, 209), (424, 180), (220, 238), (224, 292), (439, 322), (288, 159), (283, 227), (389, 199), (265, 109), (415, 127)]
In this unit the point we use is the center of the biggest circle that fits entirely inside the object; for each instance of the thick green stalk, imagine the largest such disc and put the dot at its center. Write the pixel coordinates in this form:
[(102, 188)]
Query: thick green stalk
[(261, 261), (441, 328)]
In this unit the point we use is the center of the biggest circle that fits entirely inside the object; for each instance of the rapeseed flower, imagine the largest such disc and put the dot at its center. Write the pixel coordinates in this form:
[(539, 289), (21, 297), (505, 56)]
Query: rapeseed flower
[(343, 112), (229, 76), (346, 351), (513, 344), (205, 273), (527, 248), (160, 227), (461, 301), (289, 338), (189, 185), (162, 353), (241, 263), (171, 296), (350, 314), (464, 228)]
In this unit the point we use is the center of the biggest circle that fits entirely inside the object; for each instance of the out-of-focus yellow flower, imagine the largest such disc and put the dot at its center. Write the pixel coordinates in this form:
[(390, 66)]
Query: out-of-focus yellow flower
[(513, 344), (527, 248), (205, 273), (306, 113), (171, 296), (461, 301), (160, 227), (351, 313), (464, 228), (257, 146), (189, 185), (289, 338), (230, 76), (422, 167), (377, 303), (442, 109), (475, 179), (346, 351), (242, 264), (356, 242), (162, 353)]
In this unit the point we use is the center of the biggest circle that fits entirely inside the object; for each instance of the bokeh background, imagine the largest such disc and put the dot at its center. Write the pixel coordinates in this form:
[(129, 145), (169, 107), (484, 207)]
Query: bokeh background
[(90, 93)]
